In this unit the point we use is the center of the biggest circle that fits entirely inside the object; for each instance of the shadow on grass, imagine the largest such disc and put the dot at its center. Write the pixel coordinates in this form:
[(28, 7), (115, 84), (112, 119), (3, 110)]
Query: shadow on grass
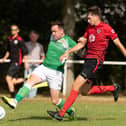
[(32, 118), (48, 118), (77, 119), (65, 118)]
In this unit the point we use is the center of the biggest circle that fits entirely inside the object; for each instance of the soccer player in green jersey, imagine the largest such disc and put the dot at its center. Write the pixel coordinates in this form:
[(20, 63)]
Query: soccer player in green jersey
[(51, 70)]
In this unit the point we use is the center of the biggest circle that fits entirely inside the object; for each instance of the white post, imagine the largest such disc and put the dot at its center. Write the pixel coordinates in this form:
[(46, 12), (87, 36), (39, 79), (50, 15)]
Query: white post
[(65, 79)]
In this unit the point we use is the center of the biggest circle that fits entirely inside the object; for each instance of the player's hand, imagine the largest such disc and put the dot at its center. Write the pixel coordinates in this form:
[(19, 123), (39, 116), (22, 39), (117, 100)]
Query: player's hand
[(1, 60), (64, 56), (81, 39)]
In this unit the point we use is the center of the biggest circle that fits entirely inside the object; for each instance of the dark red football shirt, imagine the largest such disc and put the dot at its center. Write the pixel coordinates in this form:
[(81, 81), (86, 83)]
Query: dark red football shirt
[(98, 38)]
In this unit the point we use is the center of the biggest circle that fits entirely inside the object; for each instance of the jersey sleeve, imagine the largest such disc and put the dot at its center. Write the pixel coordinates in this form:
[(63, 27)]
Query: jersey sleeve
[(110, 32)]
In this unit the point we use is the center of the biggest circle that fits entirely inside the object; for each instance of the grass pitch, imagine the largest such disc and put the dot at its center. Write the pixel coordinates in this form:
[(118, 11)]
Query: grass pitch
[(90, 111)]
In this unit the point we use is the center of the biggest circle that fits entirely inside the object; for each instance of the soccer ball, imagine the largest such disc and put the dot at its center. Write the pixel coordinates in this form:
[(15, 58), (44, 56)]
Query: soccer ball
[(2, 112)]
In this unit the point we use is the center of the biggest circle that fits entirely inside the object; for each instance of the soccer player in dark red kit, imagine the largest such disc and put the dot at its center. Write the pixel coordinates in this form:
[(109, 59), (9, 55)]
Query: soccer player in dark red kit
[(17, 51), (96, 38)]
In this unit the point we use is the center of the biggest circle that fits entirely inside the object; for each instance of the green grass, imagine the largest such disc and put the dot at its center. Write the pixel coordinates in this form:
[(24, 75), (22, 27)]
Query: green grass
[(33, 113)]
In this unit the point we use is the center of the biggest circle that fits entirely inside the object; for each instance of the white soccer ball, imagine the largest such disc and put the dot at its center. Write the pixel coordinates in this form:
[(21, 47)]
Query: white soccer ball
[(2, 112)]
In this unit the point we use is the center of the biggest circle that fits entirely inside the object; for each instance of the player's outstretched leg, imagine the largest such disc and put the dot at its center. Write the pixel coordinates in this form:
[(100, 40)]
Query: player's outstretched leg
[(23, 92)]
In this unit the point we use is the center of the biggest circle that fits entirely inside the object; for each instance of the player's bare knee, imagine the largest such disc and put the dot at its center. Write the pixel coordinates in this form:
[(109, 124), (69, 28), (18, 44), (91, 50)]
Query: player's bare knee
[(33, 79)]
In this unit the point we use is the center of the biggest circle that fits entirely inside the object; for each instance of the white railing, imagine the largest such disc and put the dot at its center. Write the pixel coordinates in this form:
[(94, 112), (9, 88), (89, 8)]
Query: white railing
[(78, 62), (30, 61)]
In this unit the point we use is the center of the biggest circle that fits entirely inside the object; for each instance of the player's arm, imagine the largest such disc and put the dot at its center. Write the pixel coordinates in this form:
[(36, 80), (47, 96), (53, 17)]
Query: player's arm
[(7, 54), (81, 43), (120, 46), (25, 54), (5, 57), (25, 58)]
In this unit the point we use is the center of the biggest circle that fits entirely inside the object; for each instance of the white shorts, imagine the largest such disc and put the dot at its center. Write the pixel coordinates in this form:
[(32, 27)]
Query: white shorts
[(53, 77)]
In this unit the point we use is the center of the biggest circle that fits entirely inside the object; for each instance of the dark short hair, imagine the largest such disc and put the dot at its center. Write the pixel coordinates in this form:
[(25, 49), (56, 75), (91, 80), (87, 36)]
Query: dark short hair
[(34, 31), (95, 10), (57, 22)]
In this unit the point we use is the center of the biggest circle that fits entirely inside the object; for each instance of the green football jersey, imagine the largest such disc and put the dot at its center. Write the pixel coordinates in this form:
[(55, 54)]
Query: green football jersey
[(56, 48)]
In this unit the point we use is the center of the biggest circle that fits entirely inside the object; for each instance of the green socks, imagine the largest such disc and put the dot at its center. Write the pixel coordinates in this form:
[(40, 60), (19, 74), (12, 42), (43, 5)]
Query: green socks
[(23, 92), (60, 105)]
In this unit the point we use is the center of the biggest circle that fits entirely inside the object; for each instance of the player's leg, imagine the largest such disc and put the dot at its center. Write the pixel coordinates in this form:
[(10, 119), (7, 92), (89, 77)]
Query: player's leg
[(10, 84), (13, 69), (84, 90), (54, 96), (59, 102), (70, 100), (55, 80), (18, 80), (101, 89), (23, 92), (34, 78), (87, 73), (79, 81)]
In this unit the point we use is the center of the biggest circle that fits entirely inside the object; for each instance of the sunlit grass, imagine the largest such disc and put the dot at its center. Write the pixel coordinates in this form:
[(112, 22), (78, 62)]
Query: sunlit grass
[(33, 113)]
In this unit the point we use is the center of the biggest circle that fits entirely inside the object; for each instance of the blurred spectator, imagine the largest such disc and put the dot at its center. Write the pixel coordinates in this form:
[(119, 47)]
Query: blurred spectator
[(17, 51), (35, 52)]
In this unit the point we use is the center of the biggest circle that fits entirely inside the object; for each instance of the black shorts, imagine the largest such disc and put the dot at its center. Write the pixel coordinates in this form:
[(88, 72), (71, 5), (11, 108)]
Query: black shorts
[(13, 69), (89, 69)]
